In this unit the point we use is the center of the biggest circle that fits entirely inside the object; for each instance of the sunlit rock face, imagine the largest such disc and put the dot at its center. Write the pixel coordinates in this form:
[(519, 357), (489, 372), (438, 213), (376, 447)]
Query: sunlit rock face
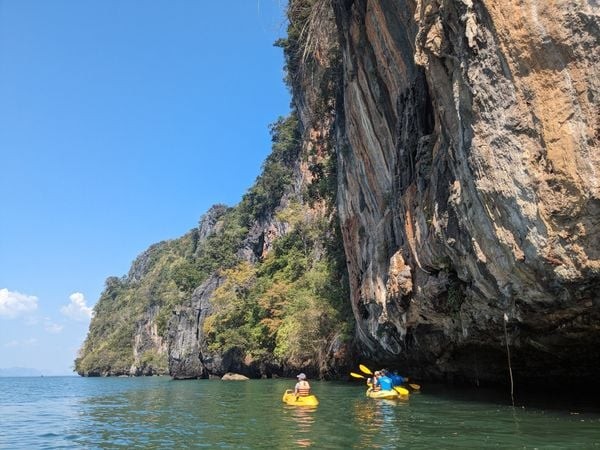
[(469, 189), (147, 339)]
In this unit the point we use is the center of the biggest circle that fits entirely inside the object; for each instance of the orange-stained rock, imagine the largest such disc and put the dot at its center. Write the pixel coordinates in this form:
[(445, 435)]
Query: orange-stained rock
[(469, 183)]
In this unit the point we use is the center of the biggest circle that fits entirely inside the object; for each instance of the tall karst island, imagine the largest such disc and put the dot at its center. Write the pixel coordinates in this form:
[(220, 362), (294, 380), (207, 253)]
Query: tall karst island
[(431, 201)]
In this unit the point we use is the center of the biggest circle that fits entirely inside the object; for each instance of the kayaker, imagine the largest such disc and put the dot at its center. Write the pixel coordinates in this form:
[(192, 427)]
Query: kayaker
[(383, 382), (397, 380), (302, 388), (374, 384)]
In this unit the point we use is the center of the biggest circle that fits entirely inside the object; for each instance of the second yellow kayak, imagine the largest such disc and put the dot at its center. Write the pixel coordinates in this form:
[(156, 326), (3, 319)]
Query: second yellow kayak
[(387, 394)]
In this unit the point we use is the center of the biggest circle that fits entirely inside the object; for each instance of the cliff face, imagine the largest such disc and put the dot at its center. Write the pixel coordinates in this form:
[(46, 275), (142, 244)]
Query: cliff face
[(314, 337), (468, 157), (188, 352), (258, 288), (458, 142)]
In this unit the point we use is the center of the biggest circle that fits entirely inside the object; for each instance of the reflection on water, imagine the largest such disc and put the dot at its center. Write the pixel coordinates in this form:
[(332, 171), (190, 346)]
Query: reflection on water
[(380, 421), (50, 413), (302, 417)]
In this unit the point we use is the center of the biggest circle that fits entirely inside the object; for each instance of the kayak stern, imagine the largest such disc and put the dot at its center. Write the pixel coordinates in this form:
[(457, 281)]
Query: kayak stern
[(295, 400)]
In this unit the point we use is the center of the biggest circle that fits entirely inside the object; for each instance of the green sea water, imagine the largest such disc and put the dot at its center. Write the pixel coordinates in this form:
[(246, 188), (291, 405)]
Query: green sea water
[(156, 412)]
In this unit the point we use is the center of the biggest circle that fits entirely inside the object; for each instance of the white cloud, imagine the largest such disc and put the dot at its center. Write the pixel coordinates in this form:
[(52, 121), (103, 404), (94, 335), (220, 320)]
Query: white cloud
[(24, 343), (77, 309), (14, 304), (45, 322), (53, 328), (50, 326), (31, 320)]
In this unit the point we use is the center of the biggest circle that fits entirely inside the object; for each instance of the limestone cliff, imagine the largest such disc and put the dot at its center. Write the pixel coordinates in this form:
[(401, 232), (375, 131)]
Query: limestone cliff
[(458, 143), (467, 141), (322, 348), (258, 288)]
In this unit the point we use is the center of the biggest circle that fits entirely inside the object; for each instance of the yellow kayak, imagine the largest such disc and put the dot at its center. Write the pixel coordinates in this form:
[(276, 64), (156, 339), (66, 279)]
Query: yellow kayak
[(292, 399), (388, 394)]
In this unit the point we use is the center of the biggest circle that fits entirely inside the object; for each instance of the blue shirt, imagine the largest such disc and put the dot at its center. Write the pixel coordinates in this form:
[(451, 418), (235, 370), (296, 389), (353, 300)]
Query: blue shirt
[(397, 380), (385, 383)]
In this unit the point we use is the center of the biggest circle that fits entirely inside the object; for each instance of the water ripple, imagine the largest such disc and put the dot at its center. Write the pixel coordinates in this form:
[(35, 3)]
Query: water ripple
[(52, 413)]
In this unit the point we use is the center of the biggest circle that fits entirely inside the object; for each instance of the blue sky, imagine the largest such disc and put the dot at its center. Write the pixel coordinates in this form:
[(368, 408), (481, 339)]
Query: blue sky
[(121, 123)]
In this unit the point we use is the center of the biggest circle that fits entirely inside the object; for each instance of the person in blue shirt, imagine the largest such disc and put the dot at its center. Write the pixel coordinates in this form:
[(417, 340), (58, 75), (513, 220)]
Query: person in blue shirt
[(397, 380), (384, 382)]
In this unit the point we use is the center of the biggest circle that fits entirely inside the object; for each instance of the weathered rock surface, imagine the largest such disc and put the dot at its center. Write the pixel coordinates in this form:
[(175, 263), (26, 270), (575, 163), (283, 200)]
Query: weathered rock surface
[(148, 341), (187, 346), (188, 353), (468, 149), (467, 142), (234, 377)]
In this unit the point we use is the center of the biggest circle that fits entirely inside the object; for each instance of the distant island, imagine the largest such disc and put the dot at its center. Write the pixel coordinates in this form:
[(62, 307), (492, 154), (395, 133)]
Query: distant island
[(20, 372)]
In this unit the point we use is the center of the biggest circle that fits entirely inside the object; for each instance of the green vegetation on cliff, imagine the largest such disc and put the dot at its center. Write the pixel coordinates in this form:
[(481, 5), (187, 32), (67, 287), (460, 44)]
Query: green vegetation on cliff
[(264, 196), (258, 306), (126, 303), (287, 306), (292, 305)]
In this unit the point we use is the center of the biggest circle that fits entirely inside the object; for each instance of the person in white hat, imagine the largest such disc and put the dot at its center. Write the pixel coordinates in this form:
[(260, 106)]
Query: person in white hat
[(302, 388)]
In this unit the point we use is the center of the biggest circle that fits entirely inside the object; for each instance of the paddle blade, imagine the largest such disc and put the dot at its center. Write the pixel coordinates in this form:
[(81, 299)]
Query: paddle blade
[(356, 375), (365, 369), (415, 386), (401, 390)]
